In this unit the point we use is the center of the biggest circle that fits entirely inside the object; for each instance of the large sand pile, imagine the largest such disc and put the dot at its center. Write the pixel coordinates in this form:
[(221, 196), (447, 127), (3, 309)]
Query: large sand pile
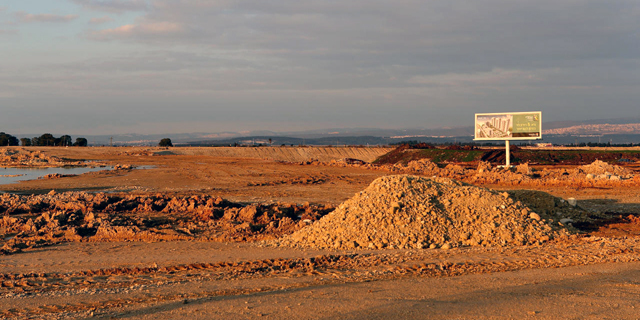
[(415, 212)]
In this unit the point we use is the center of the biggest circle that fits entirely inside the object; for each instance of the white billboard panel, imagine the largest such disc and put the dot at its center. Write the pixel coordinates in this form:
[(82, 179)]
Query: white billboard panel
[(508, 126)]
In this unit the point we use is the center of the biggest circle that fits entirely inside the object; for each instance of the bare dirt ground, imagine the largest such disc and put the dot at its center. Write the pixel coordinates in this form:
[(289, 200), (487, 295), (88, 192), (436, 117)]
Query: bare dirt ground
[(244, 178), (189, 239)]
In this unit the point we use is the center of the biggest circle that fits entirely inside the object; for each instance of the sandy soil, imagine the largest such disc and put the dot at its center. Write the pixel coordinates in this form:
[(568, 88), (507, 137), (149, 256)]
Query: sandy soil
[(590, 275)]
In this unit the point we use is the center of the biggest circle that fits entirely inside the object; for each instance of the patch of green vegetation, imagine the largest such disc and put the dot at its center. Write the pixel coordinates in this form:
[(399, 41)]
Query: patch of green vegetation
[(472, 156), (440, 158)]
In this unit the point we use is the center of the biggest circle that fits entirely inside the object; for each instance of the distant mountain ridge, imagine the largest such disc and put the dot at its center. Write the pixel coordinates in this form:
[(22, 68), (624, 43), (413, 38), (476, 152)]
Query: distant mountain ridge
[(597, 129), (627, 127), (567, 124)]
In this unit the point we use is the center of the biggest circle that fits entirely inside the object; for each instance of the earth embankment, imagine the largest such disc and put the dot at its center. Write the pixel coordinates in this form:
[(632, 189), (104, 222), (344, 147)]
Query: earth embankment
[(289, 154)]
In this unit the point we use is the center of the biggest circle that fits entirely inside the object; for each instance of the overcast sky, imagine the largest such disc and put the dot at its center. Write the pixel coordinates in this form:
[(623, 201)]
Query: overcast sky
[(137, 66)]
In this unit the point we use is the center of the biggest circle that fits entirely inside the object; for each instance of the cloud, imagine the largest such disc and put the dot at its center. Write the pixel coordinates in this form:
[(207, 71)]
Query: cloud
[(114, 6), (155, 29), (100, 20), (45, 17), (435, 36), (348, 61)]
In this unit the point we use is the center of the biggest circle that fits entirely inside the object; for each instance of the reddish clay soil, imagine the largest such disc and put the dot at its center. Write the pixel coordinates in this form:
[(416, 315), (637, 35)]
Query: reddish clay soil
[(619, 226), (192, 237)]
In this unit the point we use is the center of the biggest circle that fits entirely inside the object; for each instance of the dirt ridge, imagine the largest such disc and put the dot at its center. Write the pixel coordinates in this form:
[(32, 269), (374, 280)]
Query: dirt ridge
[(293, 154)]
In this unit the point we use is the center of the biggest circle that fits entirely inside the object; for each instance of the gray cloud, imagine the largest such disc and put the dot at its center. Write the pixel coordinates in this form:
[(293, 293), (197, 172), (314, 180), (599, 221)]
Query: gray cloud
[(44, 17), (114, 6), (242, 64), (423, 39), (434, 37)]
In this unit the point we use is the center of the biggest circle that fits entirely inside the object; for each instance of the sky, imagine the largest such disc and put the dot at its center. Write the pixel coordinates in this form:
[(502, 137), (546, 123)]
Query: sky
[(179, 66)]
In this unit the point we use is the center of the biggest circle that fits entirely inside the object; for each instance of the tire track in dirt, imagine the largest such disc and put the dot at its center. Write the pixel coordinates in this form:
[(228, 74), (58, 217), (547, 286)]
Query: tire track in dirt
[(158, 282)]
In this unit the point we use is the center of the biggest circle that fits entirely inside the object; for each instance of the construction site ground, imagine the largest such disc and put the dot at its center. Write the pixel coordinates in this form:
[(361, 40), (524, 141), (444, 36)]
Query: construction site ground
[(233, 271)]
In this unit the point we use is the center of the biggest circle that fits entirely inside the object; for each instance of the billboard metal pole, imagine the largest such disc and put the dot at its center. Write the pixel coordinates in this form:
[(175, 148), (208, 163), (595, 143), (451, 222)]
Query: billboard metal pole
[(506, 143)]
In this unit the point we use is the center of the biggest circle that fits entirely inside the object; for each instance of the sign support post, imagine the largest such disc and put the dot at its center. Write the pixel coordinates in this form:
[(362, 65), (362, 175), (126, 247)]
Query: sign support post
[(506, 143)]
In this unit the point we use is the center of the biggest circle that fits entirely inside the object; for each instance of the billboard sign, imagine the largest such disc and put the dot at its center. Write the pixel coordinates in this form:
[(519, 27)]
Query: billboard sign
[(508, 126)]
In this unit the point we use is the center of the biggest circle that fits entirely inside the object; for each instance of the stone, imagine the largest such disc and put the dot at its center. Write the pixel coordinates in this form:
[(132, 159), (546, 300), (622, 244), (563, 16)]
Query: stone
[(566, 220)]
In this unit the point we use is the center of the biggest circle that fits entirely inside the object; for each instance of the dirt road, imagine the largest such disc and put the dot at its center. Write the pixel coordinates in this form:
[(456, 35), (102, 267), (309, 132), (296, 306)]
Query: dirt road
[(579, 278)]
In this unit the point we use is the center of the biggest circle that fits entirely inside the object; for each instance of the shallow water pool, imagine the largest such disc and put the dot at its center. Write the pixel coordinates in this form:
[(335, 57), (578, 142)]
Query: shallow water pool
[(13, 175)]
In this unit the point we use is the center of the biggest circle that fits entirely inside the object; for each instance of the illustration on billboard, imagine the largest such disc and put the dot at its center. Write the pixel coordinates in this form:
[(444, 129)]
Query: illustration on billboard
[(506, 126)]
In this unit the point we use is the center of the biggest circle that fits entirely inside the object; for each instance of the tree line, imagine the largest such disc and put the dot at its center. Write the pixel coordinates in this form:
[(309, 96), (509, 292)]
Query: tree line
[(44, 140)]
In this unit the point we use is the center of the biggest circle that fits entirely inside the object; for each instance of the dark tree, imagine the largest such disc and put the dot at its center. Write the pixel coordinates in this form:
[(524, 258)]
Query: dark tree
[(166, 142), (81, 142), (46, 139), (65, 140), (8, 140), (25, 142)]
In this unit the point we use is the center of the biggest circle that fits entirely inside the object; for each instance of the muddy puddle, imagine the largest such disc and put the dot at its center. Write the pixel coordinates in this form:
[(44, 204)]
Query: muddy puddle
[(13, 175)]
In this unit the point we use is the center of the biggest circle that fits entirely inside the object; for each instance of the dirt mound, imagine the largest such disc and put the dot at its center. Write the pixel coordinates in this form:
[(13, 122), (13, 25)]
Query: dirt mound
[(598, 173), (40, 220), (554, 208), (602, 168), (428, 168), (56, 176), (415, 212), (17, 157)]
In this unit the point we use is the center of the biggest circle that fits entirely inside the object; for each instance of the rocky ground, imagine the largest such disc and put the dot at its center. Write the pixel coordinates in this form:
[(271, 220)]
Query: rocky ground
[(42, 220), (204, 236)]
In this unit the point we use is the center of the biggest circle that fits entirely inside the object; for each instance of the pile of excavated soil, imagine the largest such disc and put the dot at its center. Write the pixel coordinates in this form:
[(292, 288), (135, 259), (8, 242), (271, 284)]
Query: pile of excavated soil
[(600, 167), (405, 211), (39, 220), (598, 173)]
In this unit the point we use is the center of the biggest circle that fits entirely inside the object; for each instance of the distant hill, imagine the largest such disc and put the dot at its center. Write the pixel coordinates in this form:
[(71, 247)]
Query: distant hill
[(597, 129), (567, 124), (623, 129)]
